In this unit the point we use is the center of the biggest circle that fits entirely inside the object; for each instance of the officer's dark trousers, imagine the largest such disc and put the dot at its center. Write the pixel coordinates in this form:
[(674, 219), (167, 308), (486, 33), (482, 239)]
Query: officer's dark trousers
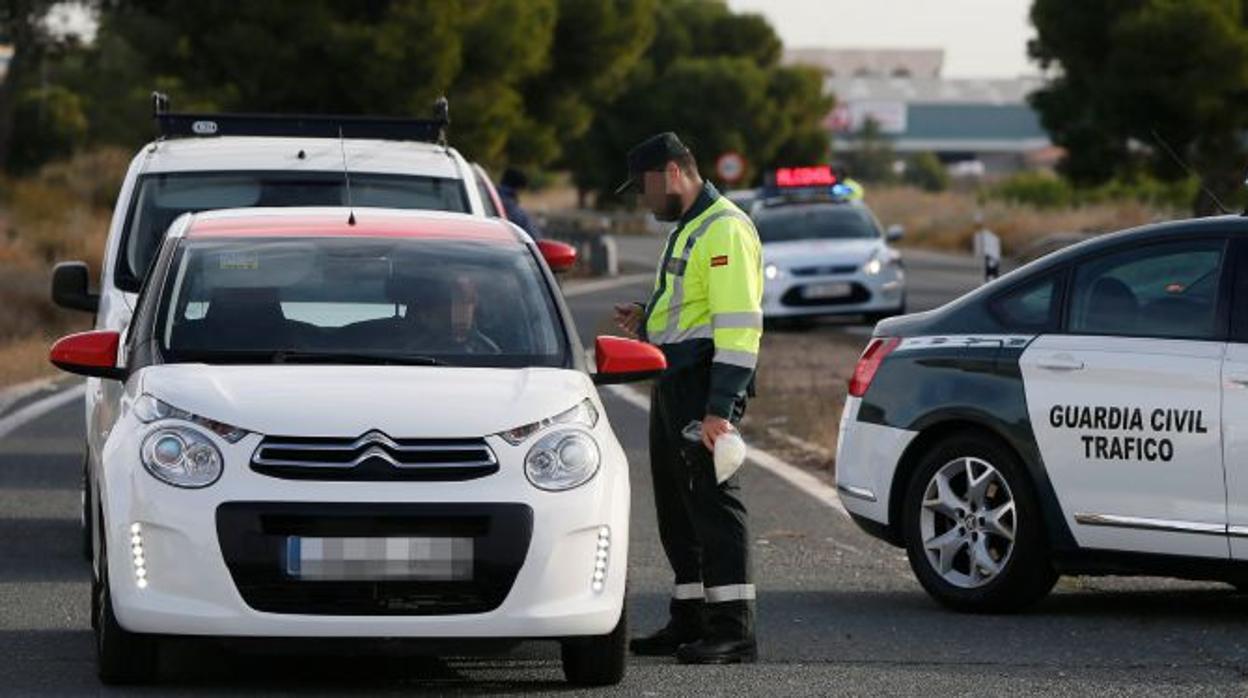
[(702, 524)]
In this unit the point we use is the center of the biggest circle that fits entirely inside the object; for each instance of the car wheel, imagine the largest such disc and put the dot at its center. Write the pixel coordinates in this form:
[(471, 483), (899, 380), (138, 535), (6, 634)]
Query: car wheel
[(972, 527), (121, 657), (597, 661)]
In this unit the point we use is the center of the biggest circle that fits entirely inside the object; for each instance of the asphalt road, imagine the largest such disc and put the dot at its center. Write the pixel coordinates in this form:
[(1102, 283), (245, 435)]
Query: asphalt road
[(838, 612)]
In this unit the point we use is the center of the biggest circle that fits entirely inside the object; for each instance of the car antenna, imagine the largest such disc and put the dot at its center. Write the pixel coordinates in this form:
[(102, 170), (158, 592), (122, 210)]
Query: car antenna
[(1190, 173), (346, 174)]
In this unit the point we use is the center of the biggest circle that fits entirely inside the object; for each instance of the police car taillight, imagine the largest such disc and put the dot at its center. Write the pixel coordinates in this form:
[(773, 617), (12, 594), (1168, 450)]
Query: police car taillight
[(869, 363)]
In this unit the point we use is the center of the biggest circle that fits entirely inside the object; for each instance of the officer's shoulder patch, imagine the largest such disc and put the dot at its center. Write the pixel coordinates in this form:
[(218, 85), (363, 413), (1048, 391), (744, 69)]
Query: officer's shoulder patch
[(719, 260)]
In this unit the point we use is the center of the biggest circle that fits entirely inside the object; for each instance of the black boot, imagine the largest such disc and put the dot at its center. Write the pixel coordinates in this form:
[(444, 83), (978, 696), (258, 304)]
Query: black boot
[(684, 626), (729, 636)]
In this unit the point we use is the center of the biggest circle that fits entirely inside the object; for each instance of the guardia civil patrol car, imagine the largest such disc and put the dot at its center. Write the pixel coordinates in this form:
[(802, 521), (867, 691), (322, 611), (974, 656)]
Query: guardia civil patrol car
[(1085, 414)]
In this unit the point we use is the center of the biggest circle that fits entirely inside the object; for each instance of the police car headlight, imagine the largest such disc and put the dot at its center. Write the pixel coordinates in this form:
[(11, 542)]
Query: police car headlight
[(583, 413), (182, 457), (874, 265), (148, 409), (562, 460), (771, 271)]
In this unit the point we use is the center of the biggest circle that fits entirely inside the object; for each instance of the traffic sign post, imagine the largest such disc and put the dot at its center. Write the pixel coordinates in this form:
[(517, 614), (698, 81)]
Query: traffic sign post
[(730, 167)]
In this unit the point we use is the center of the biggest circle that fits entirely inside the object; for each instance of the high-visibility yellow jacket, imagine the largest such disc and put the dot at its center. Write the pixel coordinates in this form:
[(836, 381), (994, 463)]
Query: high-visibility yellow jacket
[(706, 309)]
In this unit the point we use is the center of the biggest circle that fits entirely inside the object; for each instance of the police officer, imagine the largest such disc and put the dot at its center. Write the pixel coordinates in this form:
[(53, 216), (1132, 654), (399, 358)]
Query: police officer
[(706, 316)]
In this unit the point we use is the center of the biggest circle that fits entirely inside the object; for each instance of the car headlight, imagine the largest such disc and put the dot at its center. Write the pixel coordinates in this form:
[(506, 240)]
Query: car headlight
[(583, 413), (182, 457), (149, 409), (562, 460), (772, 271), (874, 265)]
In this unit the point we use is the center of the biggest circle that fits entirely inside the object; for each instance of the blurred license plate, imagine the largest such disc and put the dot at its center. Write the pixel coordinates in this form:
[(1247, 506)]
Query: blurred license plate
[(826, 291), (359, 559)]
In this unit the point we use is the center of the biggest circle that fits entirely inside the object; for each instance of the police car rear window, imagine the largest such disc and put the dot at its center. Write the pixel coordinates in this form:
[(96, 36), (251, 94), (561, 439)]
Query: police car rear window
[(160, 198), (1168, 290), (1030, 308)]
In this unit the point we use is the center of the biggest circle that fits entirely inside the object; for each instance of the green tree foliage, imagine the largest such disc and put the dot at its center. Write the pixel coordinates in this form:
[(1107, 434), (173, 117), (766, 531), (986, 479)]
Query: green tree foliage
[(523, 76), (927, 172), (714, 78), (1132, 67), (871, 158)]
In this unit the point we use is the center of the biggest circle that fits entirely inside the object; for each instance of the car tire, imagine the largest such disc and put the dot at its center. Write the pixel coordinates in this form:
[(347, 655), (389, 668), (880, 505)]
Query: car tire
[(996, 559), (597, 661), (121, 657)]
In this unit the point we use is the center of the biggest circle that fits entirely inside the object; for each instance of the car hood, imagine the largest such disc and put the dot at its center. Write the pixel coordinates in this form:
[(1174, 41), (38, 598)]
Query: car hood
[(347, 401), (814, 252)]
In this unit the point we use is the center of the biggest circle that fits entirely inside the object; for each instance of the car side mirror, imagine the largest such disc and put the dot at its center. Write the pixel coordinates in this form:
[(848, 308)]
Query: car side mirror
[(91, 354), (560, 256), (70, 287), (895, 232), (623, 360)]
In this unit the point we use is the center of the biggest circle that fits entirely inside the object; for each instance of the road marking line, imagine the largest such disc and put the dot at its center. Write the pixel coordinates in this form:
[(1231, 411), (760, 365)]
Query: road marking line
[(800, 443), (39, 408), (15, 393), (804, 481), (582, 289)]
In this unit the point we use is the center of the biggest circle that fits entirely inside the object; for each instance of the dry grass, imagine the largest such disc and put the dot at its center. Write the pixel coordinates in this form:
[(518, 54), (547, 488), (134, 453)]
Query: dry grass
[(60, 213), (946, 220), (25, 359), (802, 382)]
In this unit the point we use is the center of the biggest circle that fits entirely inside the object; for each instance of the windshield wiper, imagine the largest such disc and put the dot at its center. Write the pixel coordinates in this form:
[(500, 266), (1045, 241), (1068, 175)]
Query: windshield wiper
[(295, 357)]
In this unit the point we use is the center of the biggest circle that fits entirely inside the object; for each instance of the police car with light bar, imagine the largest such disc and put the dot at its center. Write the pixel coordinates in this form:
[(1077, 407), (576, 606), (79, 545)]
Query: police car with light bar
[(1085, 414), (823, 252)]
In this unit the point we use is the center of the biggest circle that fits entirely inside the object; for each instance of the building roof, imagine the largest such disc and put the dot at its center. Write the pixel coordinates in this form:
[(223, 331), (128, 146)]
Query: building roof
[(863, 62), (934, 90), (333, 222)]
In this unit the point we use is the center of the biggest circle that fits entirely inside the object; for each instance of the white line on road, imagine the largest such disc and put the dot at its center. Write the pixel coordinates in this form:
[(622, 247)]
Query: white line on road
[(39, 408), (791, 474), (587, 287)]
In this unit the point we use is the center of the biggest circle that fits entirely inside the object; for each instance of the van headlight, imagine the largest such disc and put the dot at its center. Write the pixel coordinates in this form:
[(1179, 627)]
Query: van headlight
[(182, 457), (583, 413), (562, 460)]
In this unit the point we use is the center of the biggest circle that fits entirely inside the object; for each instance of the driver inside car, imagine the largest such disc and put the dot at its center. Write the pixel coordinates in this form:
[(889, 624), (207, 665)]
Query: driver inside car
[(441, 317)]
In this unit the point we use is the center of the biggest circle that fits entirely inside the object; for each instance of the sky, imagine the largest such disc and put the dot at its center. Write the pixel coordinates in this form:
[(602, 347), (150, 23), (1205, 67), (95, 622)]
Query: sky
[(981, 38)]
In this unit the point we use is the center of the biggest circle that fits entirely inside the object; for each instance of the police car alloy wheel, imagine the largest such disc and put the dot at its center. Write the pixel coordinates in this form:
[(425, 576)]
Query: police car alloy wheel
[(972, 529)]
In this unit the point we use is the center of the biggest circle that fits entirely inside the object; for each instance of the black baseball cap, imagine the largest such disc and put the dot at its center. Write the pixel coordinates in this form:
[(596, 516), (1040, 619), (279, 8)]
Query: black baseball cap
[(651, 155)]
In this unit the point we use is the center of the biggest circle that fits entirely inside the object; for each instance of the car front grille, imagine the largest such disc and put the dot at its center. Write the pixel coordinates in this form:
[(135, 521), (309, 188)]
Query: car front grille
[(254, 539), (373, 457), (826, 270)]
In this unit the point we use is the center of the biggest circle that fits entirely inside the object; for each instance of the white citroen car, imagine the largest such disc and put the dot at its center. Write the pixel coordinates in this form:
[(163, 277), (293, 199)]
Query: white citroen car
[(368, 424)]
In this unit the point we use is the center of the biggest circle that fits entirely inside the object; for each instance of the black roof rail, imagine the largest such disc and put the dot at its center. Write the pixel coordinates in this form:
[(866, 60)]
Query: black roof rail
[(190, 125)]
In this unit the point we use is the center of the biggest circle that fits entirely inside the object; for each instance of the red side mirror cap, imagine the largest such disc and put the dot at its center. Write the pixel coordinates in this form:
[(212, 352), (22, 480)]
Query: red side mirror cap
[(623, 360), (89, 354), (560, 256)]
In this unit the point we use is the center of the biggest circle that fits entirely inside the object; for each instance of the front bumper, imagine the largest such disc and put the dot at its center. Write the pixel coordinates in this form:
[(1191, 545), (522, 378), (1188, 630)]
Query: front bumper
[(211, 566), (786, 296)]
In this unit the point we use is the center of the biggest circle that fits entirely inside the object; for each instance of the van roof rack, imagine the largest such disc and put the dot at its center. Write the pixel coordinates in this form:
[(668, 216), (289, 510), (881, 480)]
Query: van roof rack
[(192, 125)]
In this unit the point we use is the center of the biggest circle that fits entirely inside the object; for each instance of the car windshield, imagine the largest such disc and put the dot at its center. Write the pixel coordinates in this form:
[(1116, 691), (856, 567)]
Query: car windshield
[(833, 221), (161, 198), (360, 300)]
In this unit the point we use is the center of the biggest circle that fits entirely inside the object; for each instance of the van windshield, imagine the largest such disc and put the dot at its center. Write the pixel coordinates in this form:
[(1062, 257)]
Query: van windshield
[(160, 198)]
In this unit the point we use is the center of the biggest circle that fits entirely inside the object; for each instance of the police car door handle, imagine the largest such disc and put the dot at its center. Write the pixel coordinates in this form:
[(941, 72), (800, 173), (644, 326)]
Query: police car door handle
[(1239, 378), (1060, 362)]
